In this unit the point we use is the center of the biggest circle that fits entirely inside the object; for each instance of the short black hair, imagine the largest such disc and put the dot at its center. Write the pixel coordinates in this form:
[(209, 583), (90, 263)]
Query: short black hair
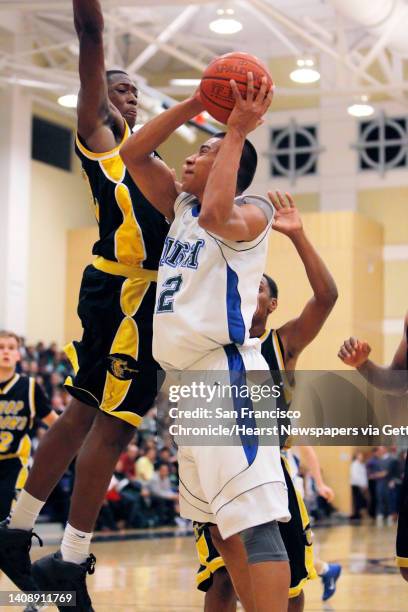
[(273, 287), (247, 164), (111, 73)]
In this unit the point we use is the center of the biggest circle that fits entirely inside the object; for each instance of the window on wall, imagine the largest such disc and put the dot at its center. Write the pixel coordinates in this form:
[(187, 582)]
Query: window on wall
[(383, 143), (51, 143), (294, 151)]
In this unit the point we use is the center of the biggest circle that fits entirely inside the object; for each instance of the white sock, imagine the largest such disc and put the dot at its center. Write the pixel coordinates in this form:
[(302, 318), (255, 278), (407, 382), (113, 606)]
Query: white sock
[(25, 511), (323, 569), (75, 545)]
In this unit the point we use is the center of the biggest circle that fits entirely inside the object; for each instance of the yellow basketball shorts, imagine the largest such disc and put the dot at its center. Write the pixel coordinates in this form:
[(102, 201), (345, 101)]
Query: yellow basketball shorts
[(114, 369)]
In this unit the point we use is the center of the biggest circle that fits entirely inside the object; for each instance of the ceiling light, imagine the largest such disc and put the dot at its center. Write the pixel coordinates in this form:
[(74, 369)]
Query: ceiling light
[(362, 108), (305, 72), (225, 24), (185, 82), (69, 101)]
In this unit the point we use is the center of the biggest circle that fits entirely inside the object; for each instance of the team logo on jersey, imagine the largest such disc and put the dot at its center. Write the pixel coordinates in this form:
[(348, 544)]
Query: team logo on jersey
[(183, 254), (122, 366), (308, 535)]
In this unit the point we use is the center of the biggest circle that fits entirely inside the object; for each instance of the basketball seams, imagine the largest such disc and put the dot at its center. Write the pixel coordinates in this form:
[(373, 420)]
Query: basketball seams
[(215, 85), (211, 101)]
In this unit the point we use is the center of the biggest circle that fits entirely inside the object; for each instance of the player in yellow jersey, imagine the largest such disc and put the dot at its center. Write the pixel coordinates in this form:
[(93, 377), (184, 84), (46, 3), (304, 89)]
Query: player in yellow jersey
[(22, 402), (115, 374)]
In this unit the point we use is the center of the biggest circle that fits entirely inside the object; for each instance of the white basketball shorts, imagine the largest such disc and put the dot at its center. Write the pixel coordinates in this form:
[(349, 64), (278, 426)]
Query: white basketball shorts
[(235, 487)]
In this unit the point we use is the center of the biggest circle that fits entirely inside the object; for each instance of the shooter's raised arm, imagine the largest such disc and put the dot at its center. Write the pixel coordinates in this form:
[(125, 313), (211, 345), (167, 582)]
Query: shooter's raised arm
[(153, 177)]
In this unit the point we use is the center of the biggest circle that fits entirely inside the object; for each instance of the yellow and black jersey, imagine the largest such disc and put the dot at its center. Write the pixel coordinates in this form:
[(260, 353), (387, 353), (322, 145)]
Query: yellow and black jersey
[(274, 354), (131, 231), (21, 401)]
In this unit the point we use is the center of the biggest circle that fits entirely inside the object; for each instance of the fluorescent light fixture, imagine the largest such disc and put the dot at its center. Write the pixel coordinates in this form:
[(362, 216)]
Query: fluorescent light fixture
[(185, 82), (225, 24), (361, 109), (305, 72), (69, 100)]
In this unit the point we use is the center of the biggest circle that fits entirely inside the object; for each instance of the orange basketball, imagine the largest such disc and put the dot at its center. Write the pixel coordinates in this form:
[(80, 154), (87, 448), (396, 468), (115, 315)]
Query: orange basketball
[(215, 89)]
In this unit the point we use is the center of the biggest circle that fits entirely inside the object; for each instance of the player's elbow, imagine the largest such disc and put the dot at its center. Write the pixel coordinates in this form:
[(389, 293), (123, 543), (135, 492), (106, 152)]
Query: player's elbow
[(328, 298), (89, 25), (90, 33)]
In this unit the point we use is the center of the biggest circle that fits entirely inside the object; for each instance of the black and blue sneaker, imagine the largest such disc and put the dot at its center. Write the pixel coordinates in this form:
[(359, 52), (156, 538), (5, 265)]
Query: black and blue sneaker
[(329, 580)]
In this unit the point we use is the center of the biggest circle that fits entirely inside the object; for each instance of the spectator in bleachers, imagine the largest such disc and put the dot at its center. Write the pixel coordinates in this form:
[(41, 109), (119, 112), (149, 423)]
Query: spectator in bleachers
[(164, 497), (145, 464), (359, 485)]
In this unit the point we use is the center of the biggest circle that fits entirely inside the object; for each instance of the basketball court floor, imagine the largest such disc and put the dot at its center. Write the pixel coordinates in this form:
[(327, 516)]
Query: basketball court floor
[(153, 571)]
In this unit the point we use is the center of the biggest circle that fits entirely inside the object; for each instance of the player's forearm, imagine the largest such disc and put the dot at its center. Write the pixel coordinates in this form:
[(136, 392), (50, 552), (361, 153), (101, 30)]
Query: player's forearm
[(308, 455), (139, 146), (220, 190), (88, 17), (384, 378), (320, 279)]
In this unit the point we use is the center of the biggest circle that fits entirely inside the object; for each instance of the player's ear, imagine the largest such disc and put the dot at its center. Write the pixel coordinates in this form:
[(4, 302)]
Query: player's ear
[(273, 304)]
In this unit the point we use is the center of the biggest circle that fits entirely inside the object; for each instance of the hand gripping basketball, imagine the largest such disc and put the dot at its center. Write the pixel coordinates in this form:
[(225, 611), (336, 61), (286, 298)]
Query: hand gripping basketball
[(216, 93), (248, 112)]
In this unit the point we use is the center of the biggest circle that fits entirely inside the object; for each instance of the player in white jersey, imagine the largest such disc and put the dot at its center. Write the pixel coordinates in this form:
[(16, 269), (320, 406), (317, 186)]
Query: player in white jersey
[(209, 273)]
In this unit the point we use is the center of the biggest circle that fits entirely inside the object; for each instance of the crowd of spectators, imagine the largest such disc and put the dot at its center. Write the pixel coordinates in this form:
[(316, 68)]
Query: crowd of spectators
[(376, 481), (143, 491)]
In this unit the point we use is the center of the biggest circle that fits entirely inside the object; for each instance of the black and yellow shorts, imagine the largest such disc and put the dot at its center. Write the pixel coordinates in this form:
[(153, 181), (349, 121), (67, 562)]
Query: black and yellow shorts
[(296, 535), (402, 531), (113, 363)]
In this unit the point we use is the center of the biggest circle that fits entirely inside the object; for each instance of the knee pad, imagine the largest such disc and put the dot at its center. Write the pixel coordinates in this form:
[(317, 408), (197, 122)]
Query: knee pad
[(264, 543)]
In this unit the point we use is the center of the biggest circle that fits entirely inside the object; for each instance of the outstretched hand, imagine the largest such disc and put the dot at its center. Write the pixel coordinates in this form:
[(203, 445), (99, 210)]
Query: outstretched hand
[(248, 112), (354, 353), (287, 218), (326, 492)]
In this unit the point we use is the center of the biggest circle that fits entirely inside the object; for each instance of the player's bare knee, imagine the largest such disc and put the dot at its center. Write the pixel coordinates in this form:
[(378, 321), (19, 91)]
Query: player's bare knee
[(115, 432), (404, 573), (222, 586), (78, 417)]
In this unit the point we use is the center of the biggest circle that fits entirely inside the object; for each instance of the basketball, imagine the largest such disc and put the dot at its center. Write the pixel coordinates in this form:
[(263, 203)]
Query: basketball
[(215, 89)]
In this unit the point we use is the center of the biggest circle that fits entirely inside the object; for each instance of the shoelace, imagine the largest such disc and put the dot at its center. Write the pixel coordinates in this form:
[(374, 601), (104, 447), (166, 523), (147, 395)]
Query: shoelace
[(34, 535), (90, 568)]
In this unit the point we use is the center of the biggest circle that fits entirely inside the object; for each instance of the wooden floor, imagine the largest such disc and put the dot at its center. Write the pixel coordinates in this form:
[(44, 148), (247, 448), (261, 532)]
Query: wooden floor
[(157, 574)]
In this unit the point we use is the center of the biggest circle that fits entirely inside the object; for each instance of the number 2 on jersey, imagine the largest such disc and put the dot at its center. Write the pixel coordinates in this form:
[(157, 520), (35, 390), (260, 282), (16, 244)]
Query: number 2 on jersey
[(6, 438), (166, 297)]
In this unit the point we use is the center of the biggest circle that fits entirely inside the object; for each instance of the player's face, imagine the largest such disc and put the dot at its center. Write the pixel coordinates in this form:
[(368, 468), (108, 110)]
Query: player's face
[(265, 305), (197, 167), (123, 94), (9, 353)]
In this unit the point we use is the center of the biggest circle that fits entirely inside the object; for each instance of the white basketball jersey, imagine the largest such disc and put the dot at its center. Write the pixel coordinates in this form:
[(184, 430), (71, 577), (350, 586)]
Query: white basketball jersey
[(207, 287)]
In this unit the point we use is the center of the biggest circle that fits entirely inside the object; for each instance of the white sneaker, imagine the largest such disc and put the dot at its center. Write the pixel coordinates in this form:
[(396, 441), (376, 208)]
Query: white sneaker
[(390, 521), (379, 520)]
